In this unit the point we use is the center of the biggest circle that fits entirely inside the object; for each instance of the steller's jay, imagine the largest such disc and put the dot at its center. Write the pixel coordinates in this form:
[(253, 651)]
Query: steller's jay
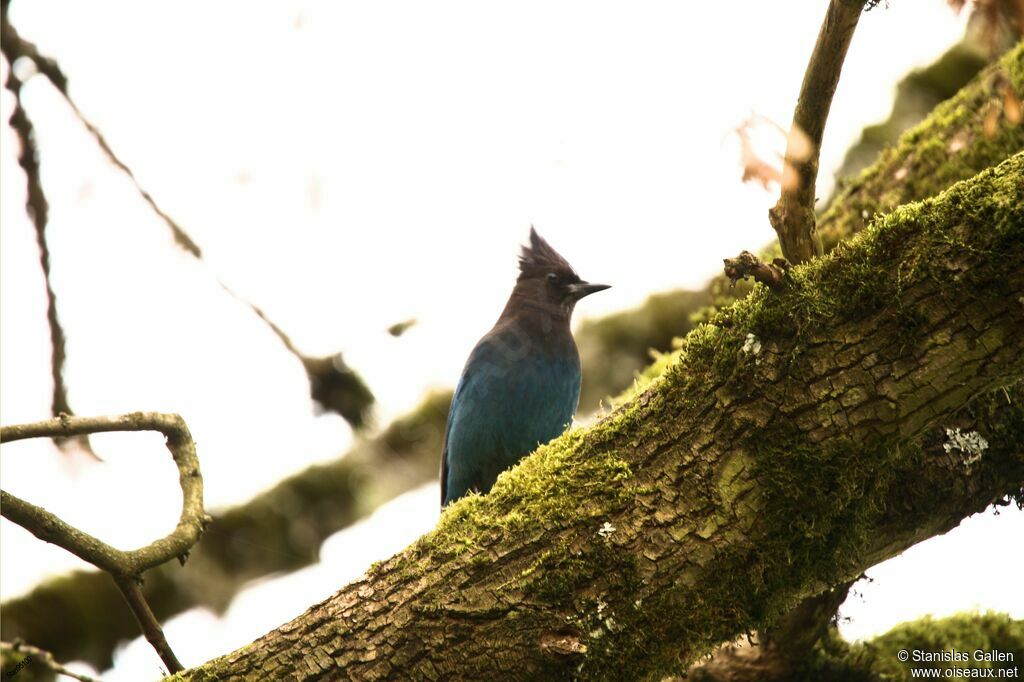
[(521, 383)]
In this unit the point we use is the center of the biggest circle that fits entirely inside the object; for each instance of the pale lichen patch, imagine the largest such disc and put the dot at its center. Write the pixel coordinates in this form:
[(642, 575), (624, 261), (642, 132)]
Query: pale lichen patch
[(752, 345), (971, 445)]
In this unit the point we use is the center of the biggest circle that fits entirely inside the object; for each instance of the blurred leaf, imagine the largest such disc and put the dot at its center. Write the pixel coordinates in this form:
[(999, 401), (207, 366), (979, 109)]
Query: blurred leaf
[(755, 167)]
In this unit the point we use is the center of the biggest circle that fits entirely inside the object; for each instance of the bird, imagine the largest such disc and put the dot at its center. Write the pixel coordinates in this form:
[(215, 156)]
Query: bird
[(521, 384)]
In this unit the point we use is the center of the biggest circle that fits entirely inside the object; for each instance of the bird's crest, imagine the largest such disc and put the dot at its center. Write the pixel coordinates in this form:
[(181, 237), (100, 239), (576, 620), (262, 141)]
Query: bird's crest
[(538, 259)]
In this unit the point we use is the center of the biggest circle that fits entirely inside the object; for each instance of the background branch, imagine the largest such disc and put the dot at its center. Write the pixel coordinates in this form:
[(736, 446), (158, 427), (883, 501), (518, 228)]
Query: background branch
[(33, 654), (333, 384), (17, 47), (38, 210), (126, 568)]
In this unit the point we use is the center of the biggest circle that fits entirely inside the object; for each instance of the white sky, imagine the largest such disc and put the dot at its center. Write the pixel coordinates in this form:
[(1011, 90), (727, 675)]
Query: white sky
[(349, 165)]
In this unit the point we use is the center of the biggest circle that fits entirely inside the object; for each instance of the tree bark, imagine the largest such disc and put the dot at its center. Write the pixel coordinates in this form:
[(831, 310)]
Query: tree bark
[(882, 406), (958, 147), (782, 651)]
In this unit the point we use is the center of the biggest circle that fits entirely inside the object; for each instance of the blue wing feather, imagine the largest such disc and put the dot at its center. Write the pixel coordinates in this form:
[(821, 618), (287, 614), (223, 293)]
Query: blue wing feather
[(505, 404)]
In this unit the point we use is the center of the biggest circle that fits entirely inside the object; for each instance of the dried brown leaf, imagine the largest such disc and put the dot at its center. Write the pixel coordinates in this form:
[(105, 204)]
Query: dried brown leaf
[(1011, 106), (755, 168), (990, 124)]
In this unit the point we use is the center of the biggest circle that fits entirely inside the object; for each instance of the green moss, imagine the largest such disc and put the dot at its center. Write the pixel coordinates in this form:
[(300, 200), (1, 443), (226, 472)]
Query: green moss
[(916, 95), (855, 279), (878, 659), (949, 146), (204, 673), (543, 477), (563, 572)]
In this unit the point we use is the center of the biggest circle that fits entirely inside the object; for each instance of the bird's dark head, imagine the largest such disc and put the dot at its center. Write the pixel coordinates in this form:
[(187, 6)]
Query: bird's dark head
[(547, 279)]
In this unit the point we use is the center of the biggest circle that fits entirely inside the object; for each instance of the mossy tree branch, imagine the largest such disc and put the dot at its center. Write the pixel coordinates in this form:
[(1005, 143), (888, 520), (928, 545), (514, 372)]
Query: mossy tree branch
[(950, 145), (125, 568), (734, 485)]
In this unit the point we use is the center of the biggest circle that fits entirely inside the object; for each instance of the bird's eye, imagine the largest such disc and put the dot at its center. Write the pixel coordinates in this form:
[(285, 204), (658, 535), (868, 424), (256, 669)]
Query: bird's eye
[(552, 277)]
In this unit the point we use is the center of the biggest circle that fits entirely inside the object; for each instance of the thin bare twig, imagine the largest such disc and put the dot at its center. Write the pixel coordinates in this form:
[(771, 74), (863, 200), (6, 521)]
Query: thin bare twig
[(34, 654), (125, 567), (15, 46), (793, 216), (148, 623), (38, 211)]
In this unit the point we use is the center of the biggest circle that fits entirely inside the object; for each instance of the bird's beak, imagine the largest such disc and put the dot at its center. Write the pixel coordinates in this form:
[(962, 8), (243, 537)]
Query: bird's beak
[(581, 289)]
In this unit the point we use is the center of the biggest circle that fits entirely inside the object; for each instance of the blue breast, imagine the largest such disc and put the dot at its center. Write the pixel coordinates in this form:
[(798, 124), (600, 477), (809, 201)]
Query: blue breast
[(515, 392)]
